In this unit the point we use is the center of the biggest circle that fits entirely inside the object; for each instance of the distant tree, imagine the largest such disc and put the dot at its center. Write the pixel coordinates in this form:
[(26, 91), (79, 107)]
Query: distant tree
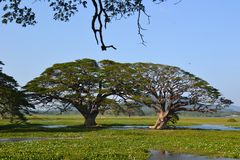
[(171, 90), (133, 110), (110, 106), (104, 12), (13, 103), (83, 84)]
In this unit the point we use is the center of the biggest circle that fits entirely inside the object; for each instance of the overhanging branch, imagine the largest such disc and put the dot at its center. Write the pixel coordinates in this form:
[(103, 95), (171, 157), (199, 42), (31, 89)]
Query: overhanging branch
[(97, 20)]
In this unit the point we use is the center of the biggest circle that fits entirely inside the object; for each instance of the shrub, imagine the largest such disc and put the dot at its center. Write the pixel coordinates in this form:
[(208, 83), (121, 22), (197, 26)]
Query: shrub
[(231, 120)]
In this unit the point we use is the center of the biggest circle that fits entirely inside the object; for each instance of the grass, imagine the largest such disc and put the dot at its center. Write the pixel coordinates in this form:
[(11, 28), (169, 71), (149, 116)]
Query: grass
[(102, 143)]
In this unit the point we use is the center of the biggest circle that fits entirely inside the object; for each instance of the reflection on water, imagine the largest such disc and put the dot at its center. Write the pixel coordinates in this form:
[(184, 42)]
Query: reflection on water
[(212, 127), (35, 139), (164, 155), (203, 126), (54, 126), (128, 127)]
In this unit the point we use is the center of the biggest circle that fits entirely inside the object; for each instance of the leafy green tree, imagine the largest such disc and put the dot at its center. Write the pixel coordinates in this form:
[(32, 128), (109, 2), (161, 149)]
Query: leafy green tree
[(170, 90), (93, 87), (13, 102), (104, 12), (83, 84)]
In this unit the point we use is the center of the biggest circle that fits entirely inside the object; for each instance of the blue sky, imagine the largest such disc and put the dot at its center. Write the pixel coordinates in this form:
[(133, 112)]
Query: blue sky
[(200, 36)]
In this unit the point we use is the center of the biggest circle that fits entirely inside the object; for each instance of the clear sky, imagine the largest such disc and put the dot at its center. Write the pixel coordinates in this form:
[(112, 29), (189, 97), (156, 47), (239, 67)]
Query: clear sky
[(200, 36)]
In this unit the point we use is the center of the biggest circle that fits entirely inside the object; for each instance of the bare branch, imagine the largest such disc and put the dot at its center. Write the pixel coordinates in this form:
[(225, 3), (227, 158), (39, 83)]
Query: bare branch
[(94, 19), (99, 12), (179, 1)]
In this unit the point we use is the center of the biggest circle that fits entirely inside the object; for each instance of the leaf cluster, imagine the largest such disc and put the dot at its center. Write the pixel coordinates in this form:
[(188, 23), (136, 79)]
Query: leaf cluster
[(104, 12), (13, 103)]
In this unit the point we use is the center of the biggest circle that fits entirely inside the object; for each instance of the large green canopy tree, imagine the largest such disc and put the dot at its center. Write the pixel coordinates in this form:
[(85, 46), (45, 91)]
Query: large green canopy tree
[(83, 84), (13, 102), (170, 90), (104, 11), (92, 86)]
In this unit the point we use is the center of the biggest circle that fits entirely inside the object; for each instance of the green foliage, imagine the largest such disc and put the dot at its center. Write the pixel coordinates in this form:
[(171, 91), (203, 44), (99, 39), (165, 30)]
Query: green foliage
[(170, 85), (13, 102), (13, 12), (173, 120), (88, 86), (93, 87), (105, 12)]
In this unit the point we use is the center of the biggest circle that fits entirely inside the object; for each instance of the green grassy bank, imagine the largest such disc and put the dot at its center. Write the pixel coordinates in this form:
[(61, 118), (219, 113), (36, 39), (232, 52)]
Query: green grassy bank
[(102, 143)]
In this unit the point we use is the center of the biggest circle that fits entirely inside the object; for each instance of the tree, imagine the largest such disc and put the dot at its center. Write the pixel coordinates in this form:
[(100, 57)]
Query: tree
[(83, 84), (171, 90), (93, 87), (13, 102), (132, 109), (104, 12)]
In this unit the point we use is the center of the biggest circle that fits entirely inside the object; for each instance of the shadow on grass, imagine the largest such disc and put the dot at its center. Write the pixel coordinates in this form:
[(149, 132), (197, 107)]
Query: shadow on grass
[(39, 128), (16, 128), (28, 127)]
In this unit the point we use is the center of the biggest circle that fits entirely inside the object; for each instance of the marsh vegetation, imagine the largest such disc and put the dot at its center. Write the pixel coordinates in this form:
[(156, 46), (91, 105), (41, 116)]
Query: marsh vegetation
[(77, 142)]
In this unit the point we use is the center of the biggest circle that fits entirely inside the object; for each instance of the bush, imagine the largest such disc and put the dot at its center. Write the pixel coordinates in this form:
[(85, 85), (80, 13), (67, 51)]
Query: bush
[(231, 120)]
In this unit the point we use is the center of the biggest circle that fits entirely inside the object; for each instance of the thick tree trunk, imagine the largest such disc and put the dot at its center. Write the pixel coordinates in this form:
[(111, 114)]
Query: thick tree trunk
[(89, 115), (90, 120), (161, 122)]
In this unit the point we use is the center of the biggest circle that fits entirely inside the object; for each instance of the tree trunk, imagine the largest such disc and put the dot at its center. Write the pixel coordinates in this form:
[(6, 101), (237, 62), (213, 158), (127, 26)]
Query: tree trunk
[(161, 122), (90, 120)]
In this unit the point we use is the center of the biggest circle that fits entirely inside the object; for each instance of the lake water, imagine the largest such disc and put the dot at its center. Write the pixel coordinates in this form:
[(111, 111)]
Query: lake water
[(203, 126), (35, 139), (212, 127), (54, 126), (164, 155), (127, 127)]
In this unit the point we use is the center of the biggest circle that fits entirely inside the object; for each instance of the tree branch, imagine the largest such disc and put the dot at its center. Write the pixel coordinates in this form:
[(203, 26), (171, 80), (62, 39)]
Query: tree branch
[(99, 10)]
